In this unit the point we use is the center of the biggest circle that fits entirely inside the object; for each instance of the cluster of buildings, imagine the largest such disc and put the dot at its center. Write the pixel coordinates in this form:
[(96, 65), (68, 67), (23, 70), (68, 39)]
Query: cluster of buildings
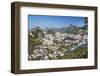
[(55, 46)]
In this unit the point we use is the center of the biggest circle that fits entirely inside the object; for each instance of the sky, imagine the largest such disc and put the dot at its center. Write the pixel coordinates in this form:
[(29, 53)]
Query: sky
[(45, 21)]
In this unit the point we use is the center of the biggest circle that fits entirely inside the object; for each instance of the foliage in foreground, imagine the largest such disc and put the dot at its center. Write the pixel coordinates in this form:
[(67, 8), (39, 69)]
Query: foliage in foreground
[(77, 54)]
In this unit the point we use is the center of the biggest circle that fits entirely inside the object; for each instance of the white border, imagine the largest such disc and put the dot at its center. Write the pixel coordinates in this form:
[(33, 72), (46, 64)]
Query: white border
[(25, 64)]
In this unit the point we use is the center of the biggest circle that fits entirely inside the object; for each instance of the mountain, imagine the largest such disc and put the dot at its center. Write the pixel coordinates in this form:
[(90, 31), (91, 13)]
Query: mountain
[(71, 29), (36, 28), (54, 29), (36, 31)]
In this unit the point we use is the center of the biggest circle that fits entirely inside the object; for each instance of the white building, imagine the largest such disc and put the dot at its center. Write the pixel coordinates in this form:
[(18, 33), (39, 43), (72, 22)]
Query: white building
[(49, 36), (85, 37), (58, 34), (31, 34), (47, 42)]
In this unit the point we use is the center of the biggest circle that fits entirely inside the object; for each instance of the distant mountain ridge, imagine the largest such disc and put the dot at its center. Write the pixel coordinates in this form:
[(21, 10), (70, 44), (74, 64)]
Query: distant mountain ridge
[(36, 28), (71, 29)]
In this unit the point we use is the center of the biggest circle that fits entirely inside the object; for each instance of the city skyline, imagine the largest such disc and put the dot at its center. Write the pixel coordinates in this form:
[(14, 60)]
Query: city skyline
[(45, 21)]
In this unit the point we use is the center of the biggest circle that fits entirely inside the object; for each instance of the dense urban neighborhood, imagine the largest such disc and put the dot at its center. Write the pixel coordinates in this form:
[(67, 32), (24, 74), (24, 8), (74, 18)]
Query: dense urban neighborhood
[(58, 43)]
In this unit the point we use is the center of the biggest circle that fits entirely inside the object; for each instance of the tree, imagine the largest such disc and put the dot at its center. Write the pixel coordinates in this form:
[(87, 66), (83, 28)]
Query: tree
[(85, 23)]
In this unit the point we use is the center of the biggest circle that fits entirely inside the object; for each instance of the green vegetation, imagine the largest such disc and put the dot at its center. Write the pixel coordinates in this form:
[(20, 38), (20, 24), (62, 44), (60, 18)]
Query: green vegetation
[(35, 33), (85, 27), (35, 42), (78, 53), (85, 23)]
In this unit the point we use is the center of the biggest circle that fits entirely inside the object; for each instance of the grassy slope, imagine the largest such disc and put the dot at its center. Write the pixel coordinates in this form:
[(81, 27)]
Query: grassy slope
[(77, 54)]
